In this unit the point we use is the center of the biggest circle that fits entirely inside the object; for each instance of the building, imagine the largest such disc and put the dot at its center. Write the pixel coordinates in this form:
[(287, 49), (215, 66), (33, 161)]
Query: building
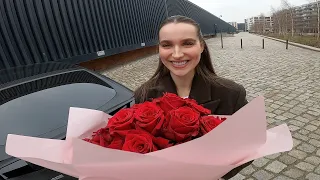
[(241, 27), (246, 25), (306, 18), (61, 31), (234, 24), (259, 23), (299, 19)]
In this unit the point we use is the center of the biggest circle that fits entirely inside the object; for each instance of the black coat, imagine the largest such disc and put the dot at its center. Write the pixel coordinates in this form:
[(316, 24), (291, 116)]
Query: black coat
[(224, 97)]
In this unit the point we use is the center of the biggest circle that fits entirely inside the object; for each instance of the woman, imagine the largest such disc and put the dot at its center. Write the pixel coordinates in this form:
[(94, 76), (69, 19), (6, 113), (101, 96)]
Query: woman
[(185, 68)]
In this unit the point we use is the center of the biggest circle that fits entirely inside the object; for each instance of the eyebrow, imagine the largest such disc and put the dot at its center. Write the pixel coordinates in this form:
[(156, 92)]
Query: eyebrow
[(188, 39)]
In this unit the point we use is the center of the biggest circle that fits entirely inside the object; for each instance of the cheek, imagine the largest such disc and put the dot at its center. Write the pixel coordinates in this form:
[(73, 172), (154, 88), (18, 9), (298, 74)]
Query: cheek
[(164, 54), (195, 53)]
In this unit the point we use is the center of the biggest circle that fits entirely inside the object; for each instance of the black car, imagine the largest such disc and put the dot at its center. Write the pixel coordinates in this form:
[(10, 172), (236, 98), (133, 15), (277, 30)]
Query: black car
[(35, 101)]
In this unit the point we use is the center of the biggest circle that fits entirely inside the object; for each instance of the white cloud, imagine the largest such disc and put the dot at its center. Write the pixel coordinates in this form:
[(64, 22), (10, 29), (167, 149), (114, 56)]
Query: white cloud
[(238, 10)]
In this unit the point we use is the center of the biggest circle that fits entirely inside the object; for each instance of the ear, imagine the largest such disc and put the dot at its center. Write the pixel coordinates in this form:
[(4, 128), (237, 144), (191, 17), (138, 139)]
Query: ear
[(202, 46)]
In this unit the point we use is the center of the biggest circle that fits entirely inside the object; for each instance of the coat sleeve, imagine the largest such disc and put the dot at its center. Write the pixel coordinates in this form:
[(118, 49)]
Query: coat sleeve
[(241, 101)]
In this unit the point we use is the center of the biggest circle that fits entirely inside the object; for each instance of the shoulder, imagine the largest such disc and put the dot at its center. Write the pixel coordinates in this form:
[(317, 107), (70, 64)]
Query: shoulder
[(231, 94), (146, 92), (228, 86)]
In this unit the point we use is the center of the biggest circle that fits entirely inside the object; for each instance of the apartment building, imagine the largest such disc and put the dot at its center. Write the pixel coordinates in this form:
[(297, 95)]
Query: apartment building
[(234, 24), (306, 18), (259, 23)]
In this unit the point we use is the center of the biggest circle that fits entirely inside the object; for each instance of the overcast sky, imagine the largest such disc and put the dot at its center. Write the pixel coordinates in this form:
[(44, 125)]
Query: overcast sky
[(238, 10)]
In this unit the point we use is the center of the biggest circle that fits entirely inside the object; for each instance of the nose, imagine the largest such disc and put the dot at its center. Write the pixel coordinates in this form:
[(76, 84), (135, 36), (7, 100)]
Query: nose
[(177, 53)]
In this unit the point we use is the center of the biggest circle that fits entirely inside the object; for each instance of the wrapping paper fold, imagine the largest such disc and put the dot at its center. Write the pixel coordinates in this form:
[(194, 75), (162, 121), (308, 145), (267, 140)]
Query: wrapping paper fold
[(241, 138)]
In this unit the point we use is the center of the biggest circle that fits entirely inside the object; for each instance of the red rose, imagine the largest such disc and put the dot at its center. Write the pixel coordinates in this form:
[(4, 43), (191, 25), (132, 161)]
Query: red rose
[(207, 123), (149, 117), (122, 120), (161, 142), (118, 137), (139, 141), (181, 124), (116, 143), (193, 104), (102, 137), (135, 106), (169, 101)]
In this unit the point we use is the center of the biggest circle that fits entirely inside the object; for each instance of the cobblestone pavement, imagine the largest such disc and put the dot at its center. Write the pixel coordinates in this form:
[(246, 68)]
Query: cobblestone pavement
[(288, 79)]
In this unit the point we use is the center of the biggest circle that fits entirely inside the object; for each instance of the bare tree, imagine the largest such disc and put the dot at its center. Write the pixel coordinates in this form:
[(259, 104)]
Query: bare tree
[(277, 16), (281, 17), (263, 22), (288, 6), (258, 27), (255, 27)]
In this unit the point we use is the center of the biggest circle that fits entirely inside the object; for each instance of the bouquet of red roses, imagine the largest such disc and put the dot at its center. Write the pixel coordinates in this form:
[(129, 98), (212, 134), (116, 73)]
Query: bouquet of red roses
[(151, 126), (168, 138)]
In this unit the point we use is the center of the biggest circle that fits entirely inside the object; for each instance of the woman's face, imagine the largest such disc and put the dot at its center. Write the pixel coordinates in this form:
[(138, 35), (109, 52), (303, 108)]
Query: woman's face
[(180, 48)]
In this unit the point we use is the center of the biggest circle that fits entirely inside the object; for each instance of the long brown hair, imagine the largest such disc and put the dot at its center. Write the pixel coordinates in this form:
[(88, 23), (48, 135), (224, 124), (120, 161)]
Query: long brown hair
[(204, 69)]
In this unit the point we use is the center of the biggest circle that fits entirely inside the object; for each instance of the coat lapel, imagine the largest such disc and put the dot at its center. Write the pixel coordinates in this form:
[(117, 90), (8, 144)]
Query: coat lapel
[(168, 84), (200, 91)]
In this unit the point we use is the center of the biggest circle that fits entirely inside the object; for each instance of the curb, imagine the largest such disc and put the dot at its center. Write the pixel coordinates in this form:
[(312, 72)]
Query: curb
[(292, 43)]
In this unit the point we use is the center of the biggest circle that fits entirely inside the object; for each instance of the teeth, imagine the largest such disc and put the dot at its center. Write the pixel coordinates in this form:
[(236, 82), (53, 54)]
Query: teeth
[(180, 63)]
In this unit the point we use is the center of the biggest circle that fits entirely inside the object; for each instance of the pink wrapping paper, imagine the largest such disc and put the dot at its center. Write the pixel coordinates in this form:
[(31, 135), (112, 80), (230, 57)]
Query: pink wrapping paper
[(241, 138)]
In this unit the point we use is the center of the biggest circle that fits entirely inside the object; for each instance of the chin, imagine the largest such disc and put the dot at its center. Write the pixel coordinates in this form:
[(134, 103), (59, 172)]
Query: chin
[(180, 73)]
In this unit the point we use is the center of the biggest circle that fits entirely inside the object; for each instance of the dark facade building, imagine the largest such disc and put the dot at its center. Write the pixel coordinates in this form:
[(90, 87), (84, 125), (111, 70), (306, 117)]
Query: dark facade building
[(242, 27), (75, 31)]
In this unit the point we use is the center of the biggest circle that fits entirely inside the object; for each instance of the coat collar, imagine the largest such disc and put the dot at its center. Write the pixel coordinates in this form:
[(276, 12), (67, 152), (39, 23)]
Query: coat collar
[(200, 90)]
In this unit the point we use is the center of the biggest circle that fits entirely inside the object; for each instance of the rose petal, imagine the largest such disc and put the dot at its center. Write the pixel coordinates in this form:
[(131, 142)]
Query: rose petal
[(192, 131), (149, 117), (135, 139), (161, 142), (182, 123), (122, 120), (193, 104), (121, 133), (169, 101), (102, 142), (208, 123)]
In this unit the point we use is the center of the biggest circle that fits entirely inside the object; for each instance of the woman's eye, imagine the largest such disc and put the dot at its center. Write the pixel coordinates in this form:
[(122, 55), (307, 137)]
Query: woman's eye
[(188, 43), (165, 45)]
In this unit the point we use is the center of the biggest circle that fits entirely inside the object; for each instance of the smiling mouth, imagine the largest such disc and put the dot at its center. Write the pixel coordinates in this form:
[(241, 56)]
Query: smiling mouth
[(179, 63)]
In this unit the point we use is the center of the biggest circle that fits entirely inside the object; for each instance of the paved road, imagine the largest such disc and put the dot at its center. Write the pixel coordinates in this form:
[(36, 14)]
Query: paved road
[(288, 79)]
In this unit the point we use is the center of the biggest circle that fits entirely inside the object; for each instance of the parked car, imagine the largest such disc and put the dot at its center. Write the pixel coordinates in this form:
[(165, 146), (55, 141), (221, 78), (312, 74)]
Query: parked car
[(35, 101)]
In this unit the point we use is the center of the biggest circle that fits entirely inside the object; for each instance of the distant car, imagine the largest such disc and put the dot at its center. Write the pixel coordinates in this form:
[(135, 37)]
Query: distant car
[(35, 101)]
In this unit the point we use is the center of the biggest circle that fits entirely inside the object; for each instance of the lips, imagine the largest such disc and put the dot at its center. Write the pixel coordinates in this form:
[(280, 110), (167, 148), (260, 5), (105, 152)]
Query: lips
[(179, 63)]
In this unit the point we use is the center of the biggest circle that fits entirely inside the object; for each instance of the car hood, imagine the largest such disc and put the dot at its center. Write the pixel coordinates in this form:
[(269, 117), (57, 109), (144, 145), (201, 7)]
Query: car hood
[(44, 112)]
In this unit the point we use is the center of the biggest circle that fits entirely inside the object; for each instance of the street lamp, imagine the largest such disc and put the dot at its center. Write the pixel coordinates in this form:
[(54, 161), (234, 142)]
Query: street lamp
[(215, 28)]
